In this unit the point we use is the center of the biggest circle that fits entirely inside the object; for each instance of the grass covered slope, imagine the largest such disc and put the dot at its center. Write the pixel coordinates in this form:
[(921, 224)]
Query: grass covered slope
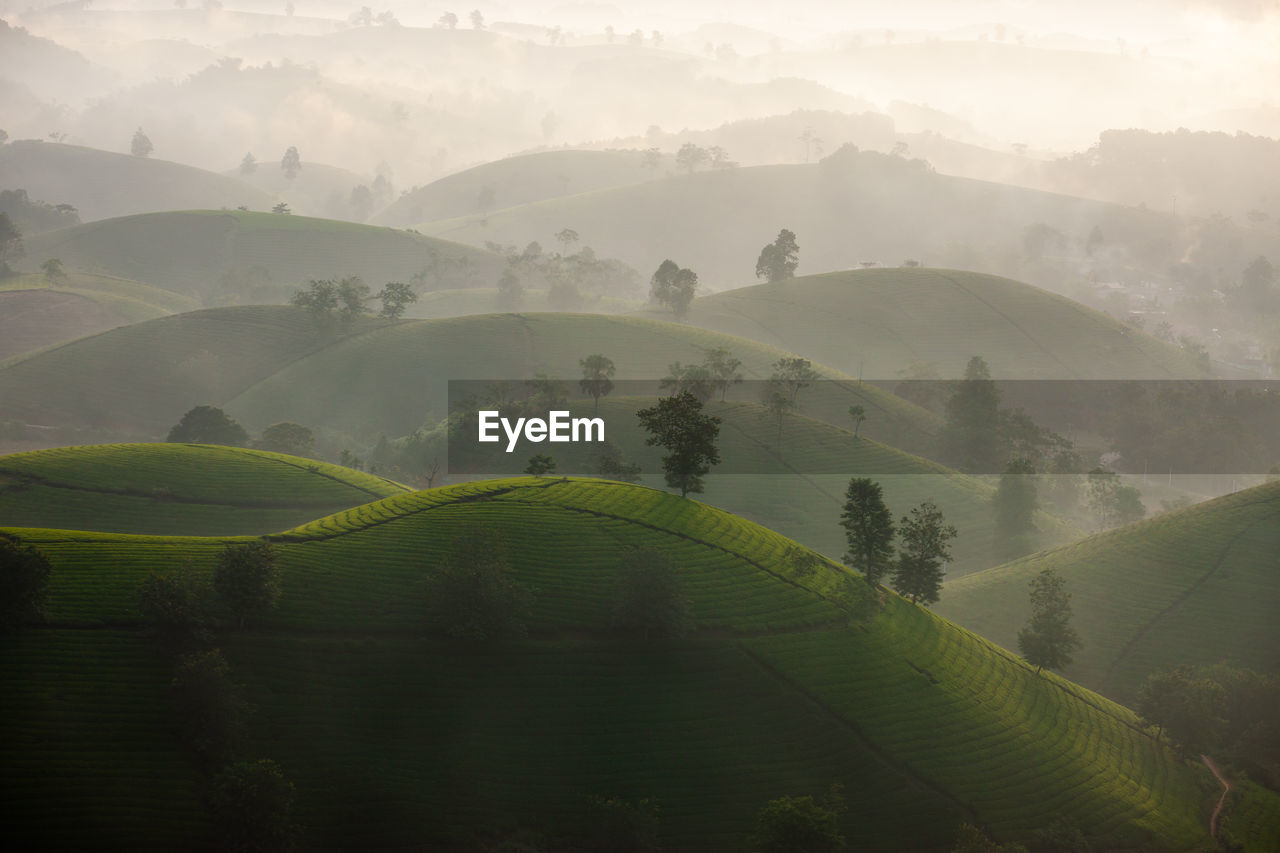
[(187, 251), (103, 184), (191, 489), (881, 320), (1196, 586), (37, 313), (514, 181), (791, 681)]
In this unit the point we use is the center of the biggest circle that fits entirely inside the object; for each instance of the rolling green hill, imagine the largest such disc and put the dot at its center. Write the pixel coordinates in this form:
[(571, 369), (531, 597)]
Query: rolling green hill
[(181, 489), (103, 184), (195, 252), (792, 681), (518, 180), (881, 320), (1196, 586), (35, 313), (484, 300)]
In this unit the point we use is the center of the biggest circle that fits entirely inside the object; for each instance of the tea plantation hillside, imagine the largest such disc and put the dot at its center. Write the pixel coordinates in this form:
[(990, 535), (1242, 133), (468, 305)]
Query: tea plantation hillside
[(1196, 586), (798, 488), (137, 381), (881, 320), (103, 184), (36, 313), (795, 677), (518, 180), (196, 252), (193, 489), (271, 364)]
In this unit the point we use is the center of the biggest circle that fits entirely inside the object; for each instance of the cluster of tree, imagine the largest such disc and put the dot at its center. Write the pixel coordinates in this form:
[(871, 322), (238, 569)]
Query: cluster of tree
[(572, 279), (673, 286), (801, 824), (10, 245), (714, 375), (211, 425), (1060, 836), (1048, 640), (30, 216), (691, 157), (24, 582), (345, 300), (365, 17), (781, 393), (917, 566), (251, 802), (1112, 503), (1221, 709)]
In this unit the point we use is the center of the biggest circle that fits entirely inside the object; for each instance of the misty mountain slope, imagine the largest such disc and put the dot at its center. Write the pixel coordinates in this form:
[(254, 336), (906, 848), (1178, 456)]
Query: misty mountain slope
[(438, 304), (103, 184), (49, 70), (878, 321), (851, 208), (274, 363), (237, 256), (791, 681), (37, 313), (176, 489), (318, 189), (1196, 586), (519, 180)]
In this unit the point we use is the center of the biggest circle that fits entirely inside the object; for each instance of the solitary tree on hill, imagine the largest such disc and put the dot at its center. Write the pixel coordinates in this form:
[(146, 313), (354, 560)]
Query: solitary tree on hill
[(141, 145), (540, 465), (1048, 640), (596, 380), (868, 528), (971, 436), (691, 156), (859, 414), (249, 164), (208, 425), (247, 579), (678, 424), (674, 287), (291, 163), (53, 270), (779, 259), (395, 296), (924, 553)]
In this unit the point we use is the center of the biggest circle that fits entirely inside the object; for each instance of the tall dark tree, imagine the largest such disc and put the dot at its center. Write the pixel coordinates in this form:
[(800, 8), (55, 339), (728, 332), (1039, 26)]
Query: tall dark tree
[(208, 425), (794, 375), (1048, 640), (247, 579), (10, 244), (1015, 503), (678, 424), (724, 369), (697, 379), (924, 553), (779, 259), (24, 581), (868, 529), (596, 381), (395, 297), (649, 602), (858, 414), (971, 436)]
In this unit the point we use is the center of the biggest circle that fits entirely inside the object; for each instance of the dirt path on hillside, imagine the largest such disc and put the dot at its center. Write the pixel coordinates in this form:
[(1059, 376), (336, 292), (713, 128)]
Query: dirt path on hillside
[(1226, 789)]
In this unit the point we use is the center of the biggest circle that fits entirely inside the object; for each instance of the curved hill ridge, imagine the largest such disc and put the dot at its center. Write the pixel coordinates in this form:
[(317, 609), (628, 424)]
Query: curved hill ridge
[(1197, 586), (104, 184), (876, 322), (175, 489), (934, 725), (517, 180), (188, 251)]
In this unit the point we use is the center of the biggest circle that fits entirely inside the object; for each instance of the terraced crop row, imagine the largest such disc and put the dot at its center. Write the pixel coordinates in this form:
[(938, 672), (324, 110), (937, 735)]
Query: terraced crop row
[(1014, 748), (1142, 593)]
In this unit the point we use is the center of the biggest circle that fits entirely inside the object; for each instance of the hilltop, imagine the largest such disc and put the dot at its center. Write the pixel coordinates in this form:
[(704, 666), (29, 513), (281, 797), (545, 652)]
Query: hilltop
[(519, 180), (230, 256), (876, 322), (793, 679), (1195, 586), (180, 489), (37, 313), (104, 184)]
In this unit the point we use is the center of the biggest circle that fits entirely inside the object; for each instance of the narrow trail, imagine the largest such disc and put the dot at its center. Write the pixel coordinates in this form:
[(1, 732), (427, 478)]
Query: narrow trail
[(1222, 801)]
